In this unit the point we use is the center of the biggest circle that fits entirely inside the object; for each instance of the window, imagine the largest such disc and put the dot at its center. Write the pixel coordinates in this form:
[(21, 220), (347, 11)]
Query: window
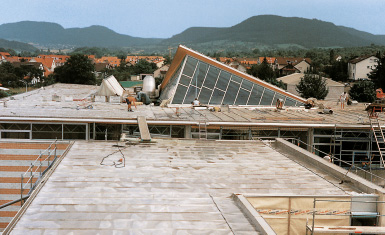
[(200, 74), (217, 97), (256, 95), (212, 85), (223, 80), (205, 95), (190, 66), (247, 85), (185, 80), (179, 94), (242, 97), (267, 97), (192, 93), (211, 78), (231, 93)]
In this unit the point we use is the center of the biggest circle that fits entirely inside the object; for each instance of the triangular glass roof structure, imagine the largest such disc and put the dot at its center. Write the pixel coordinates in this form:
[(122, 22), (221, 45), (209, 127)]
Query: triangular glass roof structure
[(193, 75)]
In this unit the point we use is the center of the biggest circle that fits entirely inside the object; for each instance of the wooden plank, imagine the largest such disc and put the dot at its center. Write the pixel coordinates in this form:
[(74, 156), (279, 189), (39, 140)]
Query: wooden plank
[(143, 128)]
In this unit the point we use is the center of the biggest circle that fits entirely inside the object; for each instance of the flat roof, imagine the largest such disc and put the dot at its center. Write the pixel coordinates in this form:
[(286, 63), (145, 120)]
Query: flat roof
[(172, 186), (295, 78), (38, 106)]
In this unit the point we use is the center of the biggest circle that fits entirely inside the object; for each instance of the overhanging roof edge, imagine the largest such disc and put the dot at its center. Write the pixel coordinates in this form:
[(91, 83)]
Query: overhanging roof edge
[(171, 122)]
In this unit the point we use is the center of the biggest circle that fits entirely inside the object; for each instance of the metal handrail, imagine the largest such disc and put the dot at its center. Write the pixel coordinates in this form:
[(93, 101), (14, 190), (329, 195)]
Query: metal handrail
[(14, 201), (336, 159), (339, 201), (37, 164), (41, 154)]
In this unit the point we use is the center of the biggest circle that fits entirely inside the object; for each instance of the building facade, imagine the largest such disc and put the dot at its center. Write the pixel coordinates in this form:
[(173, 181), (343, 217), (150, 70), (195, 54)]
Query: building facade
[(359, 68)]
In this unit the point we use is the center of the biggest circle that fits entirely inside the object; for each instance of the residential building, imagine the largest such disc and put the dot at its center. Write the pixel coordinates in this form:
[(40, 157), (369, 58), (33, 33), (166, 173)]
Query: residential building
[(288, 65), (272, 61), (100, 68), (161, 72), (288, 69), (113, 61), (37, 65), (59, 60), (292, 80), (17, 59), (158, 60), (48, 63), (360, 67), (4, 55), (248, 62), (225, 60)]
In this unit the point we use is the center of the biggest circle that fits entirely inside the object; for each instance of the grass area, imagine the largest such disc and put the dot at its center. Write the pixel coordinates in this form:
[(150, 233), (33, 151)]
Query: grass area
[(18, 90)]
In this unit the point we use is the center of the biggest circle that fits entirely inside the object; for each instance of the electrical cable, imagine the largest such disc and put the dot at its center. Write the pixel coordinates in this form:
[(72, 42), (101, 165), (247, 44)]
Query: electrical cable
[(117, 164)]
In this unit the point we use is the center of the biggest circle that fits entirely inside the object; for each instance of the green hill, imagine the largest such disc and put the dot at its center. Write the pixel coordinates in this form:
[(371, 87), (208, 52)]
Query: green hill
[(44, 33), (16, 46), (276, 30), (263, 32)]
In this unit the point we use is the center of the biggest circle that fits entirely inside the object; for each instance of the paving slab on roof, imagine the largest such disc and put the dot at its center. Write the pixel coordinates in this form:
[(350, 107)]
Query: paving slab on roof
[(172, 186)]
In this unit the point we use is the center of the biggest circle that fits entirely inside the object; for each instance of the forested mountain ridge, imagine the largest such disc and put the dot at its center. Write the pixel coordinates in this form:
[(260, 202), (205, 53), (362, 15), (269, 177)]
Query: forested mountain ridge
[(45, 33), (274, 30), (264, 31), (17, 46)]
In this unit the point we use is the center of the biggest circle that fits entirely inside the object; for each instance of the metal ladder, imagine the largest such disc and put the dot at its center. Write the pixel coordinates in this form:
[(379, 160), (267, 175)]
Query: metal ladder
[(202, 129), (378, 134)]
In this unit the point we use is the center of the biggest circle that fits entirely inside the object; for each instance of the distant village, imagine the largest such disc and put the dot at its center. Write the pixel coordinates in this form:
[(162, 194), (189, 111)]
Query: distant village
[(289, 70), (358, 68), (48, 63)]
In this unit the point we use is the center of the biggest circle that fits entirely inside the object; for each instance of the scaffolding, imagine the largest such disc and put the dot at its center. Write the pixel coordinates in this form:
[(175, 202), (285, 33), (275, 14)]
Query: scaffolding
[(370, 211), (378, 134), (365, 171)]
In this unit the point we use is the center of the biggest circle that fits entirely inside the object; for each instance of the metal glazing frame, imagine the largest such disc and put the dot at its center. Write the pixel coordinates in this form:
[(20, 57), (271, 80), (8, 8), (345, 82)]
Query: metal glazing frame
[(164, 131), (233, 79), (16, 127)]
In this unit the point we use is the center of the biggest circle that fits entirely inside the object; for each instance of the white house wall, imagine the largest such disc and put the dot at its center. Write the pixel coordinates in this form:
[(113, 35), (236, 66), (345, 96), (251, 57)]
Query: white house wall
[(361, 69), (302, 66)]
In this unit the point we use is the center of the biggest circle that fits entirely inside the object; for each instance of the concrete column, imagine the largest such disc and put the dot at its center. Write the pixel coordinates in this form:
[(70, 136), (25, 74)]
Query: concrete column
[(187, 132), (87, 131), (310, 142), (94, 131), (381, 209)]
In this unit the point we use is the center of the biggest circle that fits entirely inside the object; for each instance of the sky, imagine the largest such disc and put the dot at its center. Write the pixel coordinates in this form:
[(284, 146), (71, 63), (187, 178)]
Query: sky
[(165, 18)]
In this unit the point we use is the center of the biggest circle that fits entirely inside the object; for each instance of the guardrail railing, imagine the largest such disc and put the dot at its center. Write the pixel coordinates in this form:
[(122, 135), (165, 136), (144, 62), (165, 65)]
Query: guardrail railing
[(350, 165), (35, 171)]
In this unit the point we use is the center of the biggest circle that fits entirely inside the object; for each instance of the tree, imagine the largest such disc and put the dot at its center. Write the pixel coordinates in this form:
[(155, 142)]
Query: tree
[(8, 76), (78, 70), (3, 94), (262, 71), (338, 71), (378, 74), (363, 91), (331, 56), (28, 71), (312, 85), (10, 80), (143, 66), (167, 59)]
